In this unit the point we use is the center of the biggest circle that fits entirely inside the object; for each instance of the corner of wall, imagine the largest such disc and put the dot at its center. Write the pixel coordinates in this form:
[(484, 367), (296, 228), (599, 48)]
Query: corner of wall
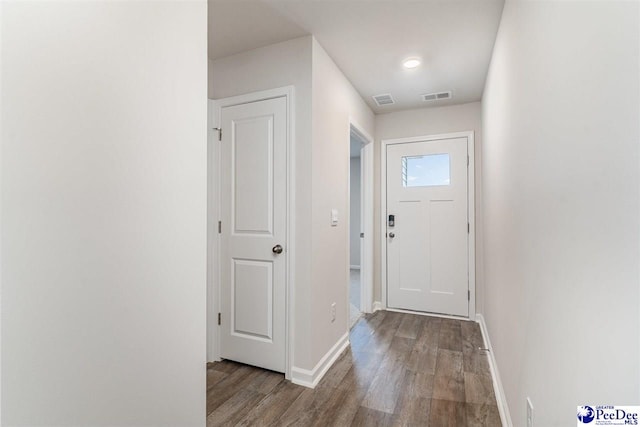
[(334, 101), (311, 377)]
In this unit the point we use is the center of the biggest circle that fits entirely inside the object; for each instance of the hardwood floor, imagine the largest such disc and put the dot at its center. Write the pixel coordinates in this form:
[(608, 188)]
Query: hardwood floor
[(401, 370)]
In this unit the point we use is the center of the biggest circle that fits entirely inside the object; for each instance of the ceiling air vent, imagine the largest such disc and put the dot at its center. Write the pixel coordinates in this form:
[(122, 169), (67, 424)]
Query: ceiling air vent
[(437, 96), (383, 99)]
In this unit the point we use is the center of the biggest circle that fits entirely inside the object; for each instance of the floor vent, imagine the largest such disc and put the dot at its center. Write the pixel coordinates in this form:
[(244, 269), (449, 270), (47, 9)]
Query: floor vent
[(383, 99), (439, 96)]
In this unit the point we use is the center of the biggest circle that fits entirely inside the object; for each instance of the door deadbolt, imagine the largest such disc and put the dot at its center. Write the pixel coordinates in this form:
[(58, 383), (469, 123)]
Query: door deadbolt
[(277, 249), (392, 235)]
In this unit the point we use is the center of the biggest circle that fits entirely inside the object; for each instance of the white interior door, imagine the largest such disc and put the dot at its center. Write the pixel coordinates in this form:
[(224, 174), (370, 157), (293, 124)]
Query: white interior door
[(253, 183), (427, 241)]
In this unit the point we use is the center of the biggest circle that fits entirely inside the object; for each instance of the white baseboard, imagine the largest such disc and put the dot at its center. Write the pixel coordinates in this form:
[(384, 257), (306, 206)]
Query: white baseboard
[(501, 398), (377, 305), (354, 267), (311, 378)]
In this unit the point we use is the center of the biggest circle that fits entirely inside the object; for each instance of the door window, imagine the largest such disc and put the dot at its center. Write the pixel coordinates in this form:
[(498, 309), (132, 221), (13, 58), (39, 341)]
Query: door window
[(426, 171)]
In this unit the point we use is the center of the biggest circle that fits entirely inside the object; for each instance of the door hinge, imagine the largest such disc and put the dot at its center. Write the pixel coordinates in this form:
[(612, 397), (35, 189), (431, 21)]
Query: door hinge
[(219, 227), (467, 159), (468, 299), (219, 133), (219, 318), (468, 228)]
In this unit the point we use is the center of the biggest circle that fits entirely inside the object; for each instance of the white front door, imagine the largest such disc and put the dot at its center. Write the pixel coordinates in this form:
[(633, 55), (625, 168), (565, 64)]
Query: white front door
[(427, 226), (253, 182)]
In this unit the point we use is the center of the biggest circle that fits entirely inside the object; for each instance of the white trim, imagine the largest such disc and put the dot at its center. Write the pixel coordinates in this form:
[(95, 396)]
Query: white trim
[(214, 286), (354, 267), (383, 223), (291, 229), (470, 209), (471, 217), (377, 306), (501, 398), (213, 241), (368, 208), (311, 378), (367, 215)]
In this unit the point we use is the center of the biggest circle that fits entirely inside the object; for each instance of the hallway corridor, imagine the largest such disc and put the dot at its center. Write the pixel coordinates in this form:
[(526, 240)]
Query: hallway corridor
[(401, 370)]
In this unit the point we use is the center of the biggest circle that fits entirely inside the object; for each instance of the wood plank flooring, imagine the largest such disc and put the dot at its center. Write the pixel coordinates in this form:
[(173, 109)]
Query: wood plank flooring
[(400, 370)]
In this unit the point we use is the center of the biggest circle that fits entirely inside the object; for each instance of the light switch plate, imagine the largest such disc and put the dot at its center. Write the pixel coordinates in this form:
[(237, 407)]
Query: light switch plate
[(334, 217)]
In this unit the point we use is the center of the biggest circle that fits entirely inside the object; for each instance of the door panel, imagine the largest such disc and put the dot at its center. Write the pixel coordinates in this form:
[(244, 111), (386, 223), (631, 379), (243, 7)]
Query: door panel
[(413, 251), (427, 248), (253, 212), (252, 162), (252, 295)]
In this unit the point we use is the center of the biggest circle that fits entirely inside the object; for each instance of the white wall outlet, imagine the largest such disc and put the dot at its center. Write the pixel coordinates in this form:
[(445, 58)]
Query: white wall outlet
[(333, 312), (529, 413), (334, 217)]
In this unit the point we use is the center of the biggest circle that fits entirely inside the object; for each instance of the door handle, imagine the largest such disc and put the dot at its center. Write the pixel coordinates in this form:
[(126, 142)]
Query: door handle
[(277, 249), (392, 235)]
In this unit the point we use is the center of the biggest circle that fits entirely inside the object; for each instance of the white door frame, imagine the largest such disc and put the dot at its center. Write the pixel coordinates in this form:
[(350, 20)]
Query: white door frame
[(367, 207), (213, 238), (213, 209), (470, 211)]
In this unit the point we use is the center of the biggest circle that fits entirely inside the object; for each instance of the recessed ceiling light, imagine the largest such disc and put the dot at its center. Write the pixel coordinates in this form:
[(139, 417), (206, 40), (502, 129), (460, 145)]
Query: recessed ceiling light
[(411, 62)]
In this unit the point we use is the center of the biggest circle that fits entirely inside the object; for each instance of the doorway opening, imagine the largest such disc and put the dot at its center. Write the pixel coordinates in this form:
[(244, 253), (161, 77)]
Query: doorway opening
[(360, 223), (355, 228)]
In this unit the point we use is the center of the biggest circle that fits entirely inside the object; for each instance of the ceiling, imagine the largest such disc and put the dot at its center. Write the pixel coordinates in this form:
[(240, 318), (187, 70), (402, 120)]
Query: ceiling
[(368, 39)]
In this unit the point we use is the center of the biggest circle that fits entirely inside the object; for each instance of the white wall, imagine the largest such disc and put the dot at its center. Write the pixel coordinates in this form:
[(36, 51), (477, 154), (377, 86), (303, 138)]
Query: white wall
[(561, 186), (210, 93), (1, 162), (103, 213), (334, 102), (354, 214), (430, 121)]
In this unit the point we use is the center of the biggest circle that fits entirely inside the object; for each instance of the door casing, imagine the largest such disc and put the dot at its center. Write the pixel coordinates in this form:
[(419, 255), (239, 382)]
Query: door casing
[(213, 211), (470, 214)]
